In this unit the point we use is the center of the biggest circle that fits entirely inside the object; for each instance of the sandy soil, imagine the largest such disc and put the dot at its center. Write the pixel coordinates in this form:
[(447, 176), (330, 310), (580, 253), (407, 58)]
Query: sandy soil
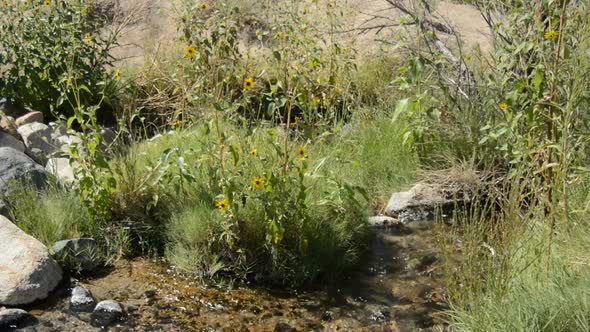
[(153, 27)]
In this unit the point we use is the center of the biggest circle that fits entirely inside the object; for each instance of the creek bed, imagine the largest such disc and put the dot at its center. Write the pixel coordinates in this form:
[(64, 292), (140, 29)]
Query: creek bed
[(398, 287)]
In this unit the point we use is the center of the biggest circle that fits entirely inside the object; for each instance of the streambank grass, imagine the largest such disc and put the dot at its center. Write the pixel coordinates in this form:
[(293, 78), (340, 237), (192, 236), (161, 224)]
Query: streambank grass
[(517, 273), (51, 214)]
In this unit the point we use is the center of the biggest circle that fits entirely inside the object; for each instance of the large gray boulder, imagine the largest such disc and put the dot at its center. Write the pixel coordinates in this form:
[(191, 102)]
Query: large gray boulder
[(16, 167), (27, 271), (7, 140)]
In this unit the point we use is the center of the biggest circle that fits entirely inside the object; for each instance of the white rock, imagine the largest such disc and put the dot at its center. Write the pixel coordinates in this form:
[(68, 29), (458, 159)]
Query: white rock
[(27, 271), (106, 312), (61, 169)]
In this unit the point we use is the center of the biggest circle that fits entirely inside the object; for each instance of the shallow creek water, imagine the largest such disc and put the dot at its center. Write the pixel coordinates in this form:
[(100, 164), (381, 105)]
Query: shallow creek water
[(398, 287)]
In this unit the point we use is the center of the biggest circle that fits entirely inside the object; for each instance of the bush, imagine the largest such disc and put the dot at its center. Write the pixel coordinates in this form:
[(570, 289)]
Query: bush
[(50, 48)]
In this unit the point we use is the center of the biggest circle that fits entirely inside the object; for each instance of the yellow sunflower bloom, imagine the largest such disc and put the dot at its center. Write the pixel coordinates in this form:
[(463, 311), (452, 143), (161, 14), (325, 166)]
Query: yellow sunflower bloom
[(248, 84), (87, 38), (222, 205), (253, 153), (503, 106), (203, 5), (118, 74), (47, 2), (189, 51), (301, 152), (551, 35), (257, 182)]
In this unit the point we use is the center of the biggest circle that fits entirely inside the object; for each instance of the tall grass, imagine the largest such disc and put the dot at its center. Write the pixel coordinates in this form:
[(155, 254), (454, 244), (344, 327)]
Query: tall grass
[(51, 214)]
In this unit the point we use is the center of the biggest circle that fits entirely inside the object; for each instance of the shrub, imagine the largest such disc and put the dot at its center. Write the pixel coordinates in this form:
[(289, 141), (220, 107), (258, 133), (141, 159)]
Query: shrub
[(48, 49)]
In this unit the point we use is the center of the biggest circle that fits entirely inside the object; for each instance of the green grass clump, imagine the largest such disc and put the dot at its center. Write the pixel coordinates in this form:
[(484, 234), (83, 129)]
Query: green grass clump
[(51, 215)]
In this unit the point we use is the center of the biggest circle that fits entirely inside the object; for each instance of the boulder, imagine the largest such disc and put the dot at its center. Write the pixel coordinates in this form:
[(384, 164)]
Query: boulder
[(27, 271), (7, 140), (61, 169), (16, 167), (29, 118), (423, 200), (77, 254), (36, 136), (106, 312), (81, 299), (8, 125), (10, 317)]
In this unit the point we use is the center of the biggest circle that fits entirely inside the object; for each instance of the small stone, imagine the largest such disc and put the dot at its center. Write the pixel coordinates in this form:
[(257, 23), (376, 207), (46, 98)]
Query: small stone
[(283, 327), (106, 312), (132, 308), (81, 299), (327, 316), (382, 221), (29, 118), (80, 254), (380, 316), (11, 316), (150, 293)]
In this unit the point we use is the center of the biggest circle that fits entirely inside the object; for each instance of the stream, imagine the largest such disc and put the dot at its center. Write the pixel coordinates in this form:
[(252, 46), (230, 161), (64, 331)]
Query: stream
[(398, 287)]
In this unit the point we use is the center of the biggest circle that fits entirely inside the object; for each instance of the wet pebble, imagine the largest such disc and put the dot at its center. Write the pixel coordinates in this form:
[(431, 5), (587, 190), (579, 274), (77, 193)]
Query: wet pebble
[(380, 316), (81, 299), (10, 317), (327, 316), (106, 312), (283, 327)]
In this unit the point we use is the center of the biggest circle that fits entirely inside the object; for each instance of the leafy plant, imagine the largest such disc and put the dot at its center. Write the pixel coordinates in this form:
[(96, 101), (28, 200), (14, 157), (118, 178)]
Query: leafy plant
[(45, 45)]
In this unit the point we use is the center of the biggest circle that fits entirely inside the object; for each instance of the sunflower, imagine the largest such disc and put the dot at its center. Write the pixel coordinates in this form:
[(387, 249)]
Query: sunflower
[(257, 182), (47, 2), (253, 153), (118, 74), (87, 38), (248, 84), (189, 51), (503, 106), (222, 205), (551, 35), (203, 5), (301, 152)]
